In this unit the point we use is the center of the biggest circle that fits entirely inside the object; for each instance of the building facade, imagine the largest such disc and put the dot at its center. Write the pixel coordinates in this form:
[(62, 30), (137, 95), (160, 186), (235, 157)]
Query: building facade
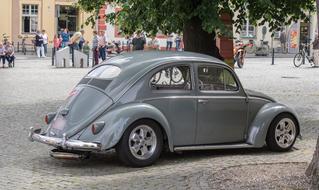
[(295, 33), (25, 17)]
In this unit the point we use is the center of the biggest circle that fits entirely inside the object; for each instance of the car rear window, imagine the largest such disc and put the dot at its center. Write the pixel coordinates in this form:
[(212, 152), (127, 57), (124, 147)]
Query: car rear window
[(107, 72), (101, 76)]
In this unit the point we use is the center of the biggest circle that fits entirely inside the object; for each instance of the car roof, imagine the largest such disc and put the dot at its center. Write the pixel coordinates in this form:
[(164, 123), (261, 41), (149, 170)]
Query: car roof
[(136, 64), (142, 59)]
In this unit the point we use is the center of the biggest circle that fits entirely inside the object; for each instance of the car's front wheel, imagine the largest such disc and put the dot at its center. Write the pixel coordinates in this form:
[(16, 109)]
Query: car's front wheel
[(141, 144), (282, 133)]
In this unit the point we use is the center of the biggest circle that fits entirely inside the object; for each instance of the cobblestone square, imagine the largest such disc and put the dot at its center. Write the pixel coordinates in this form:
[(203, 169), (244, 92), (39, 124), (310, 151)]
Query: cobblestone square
[(34, 88)]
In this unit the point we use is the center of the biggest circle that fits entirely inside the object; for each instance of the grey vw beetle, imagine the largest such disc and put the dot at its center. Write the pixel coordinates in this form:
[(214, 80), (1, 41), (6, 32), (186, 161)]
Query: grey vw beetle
[(140, 102)]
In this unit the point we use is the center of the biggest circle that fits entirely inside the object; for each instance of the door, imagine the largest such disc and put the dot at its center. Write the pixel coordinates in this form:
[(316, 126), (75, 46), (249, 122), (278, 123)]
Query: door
[(172, 92), (221, 106)]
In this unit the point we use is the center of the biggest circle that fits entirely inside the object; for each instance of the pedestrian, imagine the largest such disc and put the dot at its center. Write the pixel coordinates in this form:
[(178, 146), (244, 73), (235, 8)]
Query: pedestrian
[(75, 40), (74, 43), (9, 49), (138, 42), (86, 50), (45, 42), (283, 41), (56, 44), (65, 37), (102, 45), (178, 43), (315, 47), (128, 43), (169, 42), (2, 54), (39, 44), (153, 43), (82, 40), (95, 49)]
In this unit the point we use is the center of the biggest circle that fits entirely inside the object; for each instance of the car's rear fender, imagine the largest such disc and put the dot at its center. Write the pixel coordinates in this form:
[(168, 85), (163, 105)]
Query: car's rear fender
[(117, 120), (258, 129)]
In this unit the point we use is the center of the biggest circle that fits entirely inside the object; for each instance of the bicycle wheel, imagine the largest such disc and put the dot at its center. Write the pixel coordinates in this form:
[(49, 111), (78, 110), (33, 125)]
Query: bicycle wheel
[(155, 79), (298, 59), (176, 75)]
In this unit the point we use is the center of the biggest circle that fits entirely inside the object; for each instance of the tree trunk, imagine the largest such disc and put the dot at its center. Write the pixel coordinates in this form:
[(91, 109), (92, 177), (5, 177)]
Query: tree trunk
[(313, 169), (198, 40)]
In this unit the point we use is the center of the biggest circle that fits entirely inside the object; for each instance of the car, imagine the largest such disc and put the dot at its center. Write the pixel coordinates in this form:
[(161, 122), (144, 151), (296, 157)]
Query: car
[(143, 102)]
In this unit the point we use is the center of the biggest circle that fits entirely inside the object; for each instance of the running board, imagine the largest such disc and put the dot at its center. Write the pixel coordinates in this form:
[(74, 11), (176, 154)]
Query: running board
[(212, 147)]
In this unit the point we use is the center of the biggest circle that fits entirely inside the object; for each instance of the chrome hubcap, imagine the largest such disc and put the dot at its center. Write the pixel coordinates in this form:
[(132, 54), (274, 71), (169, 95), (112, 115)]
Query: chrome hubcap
[(142, 142), (285, 133)]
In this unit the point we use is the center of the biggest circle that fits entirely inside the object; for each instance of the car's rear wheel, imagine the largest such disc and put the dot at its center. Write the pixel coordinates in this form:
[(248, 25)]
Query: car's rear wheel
[(282, 132), (141, 144)]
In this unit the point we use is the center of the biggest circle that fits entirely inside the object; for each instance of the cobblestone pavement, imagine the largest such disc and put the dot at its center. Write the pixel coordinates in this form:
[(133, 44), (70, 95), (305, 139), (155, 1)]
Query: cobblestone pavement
[(34, 88)]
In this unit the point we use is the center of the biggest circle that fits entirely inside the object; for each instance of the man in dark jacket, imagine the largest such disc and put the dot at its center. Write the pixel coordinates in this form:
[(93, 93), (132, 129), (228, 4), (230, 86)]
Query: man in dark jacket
[(39, 44), (138, 42)]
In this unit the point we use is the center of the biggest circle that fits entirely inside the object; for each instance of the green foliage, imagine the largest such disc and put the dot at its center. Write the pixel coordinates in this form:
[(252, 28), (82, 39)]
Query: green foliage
[(170, 16)]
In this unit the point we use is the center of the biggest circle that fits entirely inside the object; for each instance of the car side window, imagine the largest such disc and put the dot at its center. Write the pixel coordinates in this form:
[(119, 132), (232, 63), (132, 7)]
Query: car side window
[(172, 78), (211, 78)]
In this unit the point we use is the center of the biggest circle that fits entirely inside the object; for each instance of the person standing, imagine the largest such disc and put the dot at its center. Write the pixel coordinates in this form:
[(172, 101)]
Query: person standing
[(86, 50), (178, 43), (138, 42), (315, 47), (82, 40), (283, 41), (45, 42), (39, 44), (102, 45), (2, 54), (75, 40), (65, 37), (74, 43), (169, 42), (95, 49), (56, 46), (153, 43)]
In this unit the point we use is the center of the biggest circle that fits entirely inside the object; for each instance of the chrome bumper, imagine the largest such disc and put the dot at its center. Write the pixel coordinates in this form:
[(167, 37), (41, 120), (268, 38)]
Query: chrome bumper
[(34, 135)]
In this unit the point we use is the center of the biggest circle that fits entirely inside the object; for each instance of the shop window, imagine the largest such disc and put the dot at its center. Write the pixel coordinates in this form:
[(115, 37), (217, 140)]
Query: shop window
[(29, 18), (248, 30)]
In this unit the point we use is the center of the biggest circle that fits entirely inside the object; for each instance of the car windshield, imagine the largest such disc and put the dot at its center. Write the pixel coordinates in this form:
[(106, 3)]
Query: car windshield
[(104, 72)]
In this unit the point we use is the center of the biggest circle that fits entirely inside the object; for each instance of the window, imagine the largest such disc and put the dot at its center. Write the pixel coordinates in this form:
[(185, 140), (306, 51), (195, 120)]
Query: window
[(212, 78), (29, 18), (172, 78), (104, 72), (248, 30)]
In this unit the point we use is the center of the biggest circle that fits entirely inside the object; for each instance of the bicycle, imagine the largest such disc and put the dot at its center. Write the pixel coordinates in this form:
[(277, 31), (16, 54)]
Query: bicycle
[(173, 74), (300, 57)]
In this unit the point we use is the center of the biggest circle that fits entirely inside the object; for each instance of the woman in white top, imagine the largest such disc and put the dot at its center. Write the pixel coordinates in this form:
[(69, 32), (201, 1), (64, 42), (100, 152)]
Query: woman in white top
[(45, 42)]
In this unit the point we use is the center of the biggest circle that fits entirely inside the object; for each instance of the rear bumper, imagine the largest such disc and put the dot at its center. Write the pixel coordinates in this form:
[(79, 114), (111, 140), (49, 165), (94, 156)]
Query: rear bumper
[(34, 135)]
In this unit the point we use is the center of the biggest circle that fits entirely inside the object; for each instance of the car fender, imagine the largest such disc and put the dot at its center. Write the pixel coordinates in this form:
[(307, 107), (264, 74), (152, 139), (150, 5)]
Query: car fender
[(258, 129), (117, 120)]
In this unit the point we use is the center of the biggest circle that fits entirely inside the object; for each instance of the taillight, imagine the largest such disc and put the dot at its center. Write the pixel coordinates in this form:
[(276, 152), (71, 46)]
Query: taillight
[(46, 119), (97, 127), (49, 117)]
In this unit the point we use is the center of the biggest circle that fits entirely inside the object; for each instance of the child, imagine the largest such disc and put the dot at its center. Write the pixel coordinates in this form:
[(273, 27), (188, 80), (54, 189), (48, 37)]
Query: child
[(86, 50), (2, 54)]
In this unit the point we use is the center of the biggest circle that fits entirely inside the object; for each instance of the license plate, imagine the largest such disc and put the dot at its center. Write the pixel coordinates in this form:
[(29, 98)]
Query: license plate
[(59, 123)]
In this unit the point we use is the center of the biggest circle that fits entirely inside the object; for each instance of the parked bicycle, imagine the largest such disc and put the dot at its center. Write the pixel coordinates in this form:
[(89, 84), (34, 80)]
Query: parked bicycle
[(301, 57)]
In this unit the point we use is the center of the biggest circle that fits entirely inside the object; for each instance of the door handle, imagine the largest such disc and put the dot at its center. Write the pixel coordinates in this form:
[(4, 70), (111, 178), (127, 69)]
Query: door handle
[(202, 101)]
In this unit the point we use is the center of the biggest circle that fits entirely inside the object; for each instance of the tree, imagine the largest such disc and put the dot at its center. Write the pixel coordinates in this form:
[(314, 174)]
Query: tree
[(198, 20)]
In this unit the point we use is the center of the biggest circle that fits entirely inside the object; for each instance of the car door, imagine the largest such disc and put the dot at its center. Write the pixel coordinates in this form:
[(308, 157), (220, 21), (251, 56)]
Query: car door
[(221, 105), (172, 92)]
